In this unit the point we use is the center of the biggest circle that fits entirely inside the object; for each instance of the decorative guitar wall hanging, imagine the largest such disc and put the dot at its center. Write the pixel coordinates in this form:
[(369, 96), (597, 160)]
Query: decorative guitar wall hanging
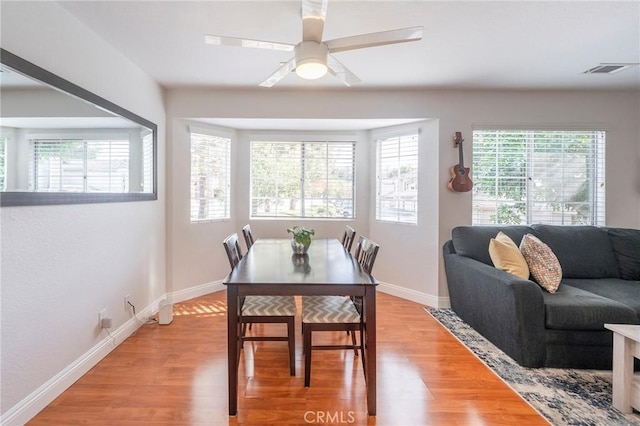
[(460, 178)]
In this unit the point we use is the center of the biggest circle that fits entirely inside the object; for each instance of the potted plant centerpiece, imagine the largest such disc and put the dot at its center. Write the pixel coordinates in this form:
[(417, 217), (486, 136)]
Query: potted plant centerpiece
[(301, 239)]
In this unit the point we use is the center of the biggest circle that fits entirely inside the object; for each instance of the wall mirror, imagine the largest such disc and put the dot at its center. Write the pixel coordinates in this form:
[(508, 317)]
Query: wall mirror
[(61, 144)]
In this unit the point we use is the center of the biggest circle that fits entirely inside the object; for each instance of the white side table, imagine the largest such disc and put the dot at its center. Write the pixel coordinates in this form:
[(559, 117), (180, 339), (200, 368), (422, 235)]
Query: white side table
[(626, 346)]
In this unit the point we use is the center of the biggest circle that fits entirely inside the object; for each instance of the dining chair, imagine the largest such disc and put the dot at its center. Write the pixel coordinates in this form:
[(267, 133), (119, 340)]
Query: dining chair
[(366, 253), (337, 313), (248, 236), (232, 247), (347, 241), (248, 240), (263, 309), (348, 237)]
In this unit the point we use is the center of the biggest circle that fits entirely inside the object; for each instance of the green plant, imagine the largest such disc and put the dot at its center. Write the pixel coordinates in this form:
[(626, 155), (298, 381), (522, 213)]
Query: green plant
[(301, 235)]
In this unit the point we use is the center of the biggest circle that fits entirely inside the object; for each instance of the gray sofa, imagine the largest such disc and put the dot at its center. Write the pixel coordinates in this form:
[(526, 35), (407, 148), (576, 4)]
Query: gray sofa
[(600, 284)]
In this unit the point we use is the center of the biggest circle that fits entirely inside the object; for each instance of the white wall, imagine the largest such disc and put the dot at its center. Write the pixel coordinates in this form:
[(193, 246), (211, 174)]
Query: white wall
[(61, 265), (410, 257), (45, 102), (195, 252), (197, 246), (407, 252)]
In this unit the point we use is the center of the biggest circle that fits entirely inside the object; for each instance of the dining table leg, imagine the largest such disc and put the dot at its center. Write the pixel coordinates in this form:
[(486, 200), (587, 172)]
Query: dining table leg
[(232, 347), (370, 346)]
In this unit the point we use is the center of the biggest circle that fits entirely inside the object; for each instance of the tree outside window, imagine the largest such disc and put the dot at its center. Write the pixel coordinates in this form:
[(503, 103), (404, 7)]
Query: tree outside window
[(397, 179), (302, 179), (524, 177), (210, 177)]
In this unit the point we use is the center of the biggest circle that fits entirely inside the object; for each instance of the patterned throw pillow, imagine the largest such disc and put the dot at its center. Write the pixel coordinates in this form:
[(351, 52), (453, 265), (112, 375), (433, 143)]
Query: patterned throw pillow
[(543, 264), (506, 256)]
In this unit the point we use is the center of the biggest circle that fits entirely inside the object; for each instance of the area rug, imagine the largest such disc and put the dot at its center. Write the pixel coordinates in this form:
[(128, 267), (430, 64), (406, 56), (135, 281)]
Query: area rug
[(562, 396)]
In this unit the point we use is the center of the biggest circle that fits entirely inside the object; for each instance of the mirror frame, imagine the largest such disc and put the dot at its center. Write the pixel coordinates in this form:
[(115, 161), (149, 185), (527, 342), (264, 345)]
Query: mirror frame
[(28, 198)]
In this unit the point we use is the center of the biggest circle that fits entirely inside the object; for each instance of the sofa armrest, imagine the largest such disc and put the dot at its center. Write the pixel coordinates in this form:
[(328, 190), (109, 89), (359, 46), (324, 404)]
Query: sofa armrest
[(507, 310)]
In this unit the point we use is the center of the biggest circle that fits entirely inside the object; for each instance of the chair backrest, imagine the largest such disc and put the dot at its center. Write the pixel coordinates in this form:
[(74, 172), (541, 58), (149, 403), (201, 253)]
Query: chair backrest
[(348, 237), (232, 247), (248, 236), (366, 252)]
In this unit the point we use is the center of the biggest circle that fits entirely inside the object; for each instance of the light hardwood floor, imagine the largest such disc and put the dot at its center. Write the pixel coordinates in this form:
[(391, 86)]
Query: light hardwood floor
[(177, 375)]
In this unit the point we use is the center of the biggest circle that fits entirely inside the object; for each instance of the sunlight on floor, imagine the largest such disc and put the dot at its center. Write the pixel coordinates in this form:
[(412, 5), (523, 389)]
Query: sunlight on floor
[(202, 309)]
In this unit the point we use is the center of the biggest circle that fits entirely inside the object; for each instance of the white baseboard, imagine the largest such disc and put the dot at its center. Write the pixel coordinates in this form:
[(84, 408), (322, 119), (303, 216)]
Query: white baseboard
[(197, 291), (392, 289), (26, 409), (414, 296)]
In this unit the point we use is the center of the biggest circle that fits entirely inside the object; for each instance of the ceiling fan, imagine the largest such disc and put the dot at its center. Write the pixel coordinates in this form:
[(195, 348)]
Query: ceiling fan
[(312, 57)]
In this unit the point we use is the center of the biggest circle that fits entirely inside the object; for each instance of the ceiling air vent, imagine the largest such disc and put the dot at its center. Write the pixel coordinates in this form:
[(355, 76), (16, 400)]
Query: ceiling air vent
[(607, 69)]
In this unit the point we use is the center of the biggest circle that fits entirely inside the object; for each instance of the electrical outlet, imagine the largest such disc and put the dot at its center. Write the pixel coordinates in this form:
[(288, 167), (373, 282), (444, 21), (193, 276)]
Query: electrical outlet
[(127, 299), (101, 315)]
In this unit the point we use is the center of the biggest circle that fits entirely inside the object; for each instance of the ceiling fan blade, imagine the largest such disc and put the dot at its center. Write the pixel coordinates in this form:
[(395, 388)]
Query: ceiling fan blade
[(314, 13), (244, 42), (375, 39), (280, 73), (341, 72), (314, 9)]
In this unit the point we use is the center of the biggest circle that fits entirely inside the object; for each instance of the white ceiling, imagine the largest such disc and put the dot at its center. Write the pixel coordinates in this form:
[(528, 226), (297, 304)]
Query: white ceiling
[(466, 44), (306, 123), (68, 123)]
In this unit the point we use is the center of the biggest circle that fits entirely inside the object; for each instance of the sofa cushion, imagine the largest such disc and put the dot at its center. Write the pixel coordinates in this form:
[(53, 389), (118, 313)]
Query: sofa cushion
[(543, 264), (623, 291), (473, 241), (626, 246), (572, 308), (507, 257), (583, 251)]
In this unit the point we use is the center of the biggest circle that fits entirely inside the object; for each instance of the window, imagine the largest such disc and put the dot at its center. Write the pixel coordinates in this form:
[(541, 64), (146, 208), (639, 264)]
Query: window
[(210, 177), (79, 165), (397, 179), (302, 179), (147, 162), (552, 177), (3, 162)]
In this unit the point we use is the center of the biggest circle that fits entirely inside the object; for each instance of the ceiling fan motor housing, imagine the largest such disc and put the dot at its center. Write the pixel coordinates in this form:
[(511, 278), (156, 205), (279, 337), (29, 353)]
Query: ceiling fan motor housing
[(311, 59)]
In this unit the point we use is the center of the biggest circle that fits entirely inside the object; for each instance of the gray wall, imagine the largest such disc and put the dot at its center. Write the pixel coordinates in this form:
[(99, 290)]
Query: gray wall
[(409, 260), (61, 265)]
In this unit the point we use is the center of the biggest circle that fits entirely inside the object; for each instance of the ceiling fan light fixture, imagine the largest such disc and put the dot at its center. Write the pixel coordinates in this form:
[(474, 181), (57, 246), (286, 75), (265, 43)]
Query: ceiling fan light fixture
[(311, 60), (311, 70)]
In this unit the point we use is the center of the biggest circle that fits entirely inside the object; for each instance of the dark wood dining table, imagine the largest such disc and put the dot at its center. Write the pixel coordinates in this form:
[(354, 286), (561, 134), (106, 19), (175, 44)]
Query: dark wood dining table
[(271, 268)]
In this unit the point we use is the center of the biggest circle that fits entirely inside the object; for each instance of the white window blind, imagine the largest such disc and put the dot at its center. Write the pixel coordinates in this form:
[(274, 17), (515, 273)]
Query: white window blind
[(3, 162), (147, 160), (397, 179), (79, 165), (533, 176), (210, 177), (302, 179)]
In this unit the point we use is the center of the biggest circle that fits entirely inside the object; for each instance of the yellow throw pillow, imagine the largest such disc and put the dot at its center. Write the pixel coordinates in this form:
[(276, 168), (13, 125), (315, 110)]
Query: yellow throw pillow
[(543, 263), (506, 256)]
